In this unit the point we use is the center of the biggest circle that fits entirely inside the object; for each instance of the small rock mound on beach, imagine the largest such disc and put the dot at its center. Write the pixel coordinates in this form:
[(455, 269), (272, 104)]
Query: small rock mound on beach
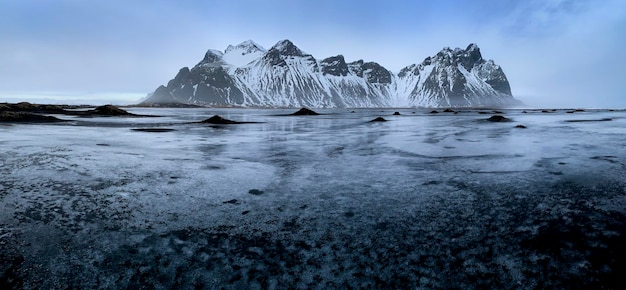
[(109, 110), (32, 108), (218, 120), (396, 113), (8, 116), (305, 112), (498, 118), (448, 110), (520, 126), (379, 119), (434, 112)]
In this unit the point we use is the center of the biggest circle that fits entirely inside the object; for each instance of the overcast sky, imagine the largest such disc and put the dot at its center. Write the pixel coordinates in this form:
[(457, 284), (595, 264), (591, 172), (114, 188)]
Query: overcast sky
[(555, 53)]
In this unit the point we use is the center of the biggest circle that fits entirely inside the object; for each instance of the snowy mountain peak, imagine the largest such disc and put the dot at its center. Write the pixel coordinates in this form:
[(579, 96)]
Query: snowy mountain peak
[(468, 57), (283, 50), (471, 47), (473, 52), (245, 47), (212, 56), (334, 65), (286, 47)]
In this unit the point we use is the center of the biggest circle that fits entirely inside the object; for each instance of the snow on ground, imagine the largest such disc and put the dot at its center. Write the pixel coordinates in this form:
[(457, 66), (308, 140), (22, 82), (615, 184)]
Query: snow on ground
[(424, 200)]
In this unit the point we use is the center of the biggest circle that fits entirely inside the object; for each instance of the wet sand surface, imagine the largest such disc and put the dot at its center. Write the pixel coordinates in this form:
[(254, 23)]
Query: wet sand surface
[(326, 201)]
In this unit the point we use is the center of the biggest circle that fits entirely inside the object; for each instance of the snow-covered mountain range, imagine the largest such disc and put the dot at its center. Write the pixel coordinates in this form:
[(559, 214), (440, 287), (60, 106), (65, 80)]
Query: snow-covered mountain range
[(247, 75)]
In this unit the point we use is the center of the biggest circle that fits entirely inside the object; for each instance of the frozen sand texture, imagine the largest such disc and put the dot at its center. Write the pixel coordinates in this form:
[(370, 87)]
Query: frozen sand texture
[(424, 200)]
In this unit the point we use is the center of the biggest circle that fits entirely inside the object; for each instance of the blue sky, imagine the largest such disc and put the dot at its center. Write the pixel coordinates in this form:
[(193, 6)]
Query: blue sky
[(554, 52)]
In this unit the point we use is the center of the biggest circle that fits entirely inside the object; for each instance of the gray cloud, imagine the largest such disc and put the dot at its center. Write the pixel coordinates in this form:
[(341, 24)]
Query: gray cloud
[(555, 53), (568, 54)]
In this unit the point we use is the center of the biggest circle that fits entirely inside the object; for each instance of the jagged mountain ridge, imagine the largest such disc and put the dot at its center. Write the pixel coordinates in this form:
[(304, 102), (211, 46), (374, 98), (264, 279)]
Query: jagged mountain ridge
[(247, 75)]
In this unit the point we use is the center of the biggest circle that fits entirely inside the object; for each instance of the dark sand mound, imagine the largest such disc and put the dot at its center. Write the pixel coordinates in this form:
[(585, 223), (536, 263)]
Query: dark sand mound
[(106, 110), (8, 116), (109, 110), (379, 119), (219, 120), (32, 108), (498, 118), (305, 112)]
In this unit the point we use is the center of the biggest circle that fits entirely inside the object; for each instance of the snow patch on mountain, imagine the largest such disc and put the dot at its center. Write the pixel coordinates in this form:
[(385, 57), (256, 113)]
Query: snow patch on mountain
[(243, 53)]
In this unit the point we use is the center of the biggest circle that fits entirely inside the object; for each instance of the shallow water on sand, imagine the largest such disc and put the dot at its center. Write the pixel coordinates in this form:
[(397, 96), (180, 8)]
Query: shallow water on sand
[(424, 200)]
